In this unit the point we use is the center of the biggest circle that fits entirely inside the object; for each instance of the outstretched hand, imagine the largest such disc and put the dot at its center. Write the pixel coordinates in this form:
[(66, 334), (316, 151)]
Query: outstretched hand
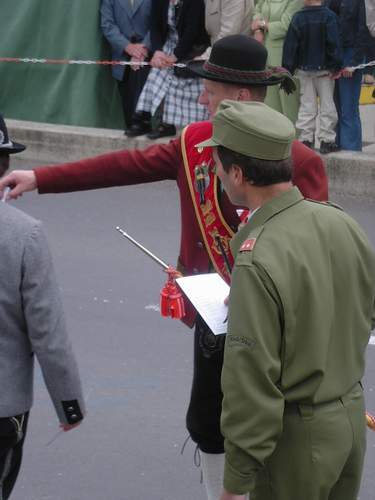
[(19, 181)]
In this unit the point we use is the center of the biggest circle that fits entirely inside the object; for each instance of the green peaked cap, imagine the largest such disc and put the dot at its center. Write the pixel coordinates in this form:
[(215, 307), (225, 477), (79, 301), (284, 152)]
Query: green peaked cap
[(252, 129)]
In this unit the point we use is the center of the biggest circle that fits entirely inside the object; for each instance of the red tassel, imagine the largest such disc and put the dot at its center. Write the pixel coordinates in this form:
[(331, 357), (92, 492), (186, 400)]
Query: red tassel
[(171, 299)]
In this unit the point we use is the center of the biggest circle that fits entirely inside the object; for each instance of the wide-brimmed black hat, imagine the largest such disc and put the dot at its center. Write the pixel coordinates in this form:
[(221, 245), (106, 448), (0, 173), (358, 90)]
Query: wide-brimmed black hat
[(6, 145), (241, 59)]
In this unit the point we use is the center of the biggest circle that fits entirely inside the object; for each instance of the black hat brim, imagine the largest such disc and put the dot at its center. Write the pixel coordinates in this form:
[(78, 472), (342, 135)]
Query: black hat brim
[(15, 148), (197, 67)]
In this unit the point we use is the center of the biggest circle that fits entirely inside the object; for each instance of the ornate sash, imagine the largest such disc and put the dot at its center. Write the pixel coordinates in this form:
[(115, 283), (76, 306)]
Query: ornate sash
[(203, 187)]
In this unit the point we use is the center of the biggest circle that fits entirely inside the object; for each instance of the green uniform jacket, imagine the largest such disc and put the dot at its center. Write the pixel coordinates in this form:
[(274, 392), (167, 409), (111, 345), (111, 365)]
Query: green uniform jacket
[(300, 313)]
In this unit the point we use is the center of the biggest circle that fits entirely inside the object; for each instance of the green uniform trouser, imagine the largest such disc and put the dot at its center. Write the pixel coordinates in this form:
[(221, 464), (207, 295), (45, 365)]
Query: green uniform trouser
[(320, 453)]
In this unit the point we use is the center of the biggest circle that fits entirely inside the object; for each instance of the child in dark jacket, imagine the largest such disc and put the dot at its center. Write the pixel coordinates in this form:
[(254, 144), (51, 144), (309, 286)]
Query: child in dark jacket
[(312, 51)]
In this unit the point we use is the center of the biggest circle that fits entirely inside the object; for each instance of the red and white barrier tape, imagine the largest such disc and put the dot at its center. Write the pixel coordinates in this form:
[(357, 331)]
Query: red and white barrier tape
[(115, 63), (75, 61)]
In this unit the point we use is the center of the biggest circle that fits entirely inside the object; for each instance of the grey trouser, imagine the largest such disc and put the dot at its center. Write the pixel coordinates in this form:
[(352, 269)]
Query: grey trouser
[(314, 85)]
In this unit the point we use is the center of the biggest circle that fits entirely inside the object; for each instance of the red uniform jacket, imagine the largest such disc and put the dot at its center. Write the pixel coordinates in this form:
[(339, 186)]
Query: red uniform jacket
[(164, 161)]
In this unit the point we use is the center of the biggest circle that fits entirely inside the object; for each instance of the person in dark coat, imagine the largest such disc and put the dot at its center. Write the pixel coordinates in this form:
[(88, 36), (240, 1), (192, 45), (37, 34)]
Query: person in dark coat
[(353, 39), (126, 26)]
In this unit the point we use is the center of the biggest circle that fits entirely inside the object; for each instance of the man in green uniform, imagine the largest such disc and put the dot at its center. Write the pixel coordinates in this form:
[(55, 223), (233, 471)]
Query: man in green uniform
[(301, 308)]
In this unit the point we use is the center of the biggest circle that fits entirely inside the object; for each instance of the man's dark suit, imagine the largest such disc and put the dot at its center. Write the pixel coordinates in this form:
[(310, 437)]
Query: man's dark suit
[(124, 22)]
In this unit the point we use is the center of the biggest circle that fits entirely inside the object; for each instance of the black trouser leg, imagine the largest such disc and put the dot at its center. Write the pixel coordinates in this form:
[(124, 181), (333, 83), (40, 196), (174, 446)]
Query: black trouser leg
[(130, 89), (12, 436), (203, 415)]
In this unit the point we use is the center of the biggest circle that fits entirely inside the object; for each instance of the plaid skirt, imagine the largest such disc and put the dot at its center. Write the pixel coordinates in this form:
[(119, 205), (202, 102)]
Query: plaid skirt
[(180, 97)]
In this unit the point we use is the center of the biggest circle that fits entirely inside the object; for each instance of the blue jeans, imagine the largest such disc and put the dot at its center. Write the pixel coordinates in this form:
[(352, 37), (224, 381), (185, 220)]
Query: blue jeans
[(347, 93)]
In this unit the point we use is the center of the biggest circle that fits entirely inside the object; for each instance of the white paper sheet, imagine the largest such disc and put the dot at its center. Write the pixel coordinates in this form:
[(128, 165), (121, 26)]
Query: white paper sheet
[(207, 293)]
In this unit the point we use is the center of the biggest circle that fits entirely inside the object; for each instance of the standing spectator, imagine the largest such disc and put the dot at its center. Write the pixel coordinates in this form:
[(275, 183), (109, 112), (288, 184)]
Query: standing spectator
[(353, 37), (126, 26), (227, 17), (312, 46), (270, 25), (7, 147), (177, 34)]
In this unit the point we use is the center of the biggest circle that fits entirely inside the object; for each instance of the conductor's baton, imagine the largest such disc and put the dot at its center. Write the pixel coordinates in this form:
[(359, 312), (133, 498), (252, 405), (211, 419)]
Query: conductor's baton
[(144, 249)]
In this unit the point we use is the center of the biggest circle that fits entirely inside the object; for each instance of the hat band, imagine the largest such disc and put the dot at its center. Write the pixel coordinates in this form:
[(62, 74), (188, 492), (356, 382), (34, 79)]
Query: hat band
[(6, 145), (238, 73)]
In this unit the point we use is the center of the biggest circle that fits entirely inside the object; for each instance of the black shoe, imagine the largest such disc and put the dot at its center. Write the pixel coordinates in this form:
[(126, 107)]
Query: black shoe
[(328, 147), (163, 130), (308, 144), (137, 129)]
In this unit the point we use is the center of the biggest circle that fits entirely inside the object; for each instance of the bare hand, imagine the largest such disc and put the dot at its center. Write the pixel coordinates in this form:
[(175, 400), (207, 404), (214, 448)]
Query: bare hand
[(255, 24), (162, 60), (347, 73), (231, 496), (136, 67), (259, 24), (335, 76), (19, 181), (259, 36), (137, 50), (69, 427)]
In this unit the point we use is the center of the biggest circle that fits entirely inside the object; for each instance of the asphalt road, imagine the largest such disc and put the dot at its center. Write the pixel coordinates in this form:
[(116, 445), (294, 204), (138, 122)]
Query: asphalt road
[(136, 367)]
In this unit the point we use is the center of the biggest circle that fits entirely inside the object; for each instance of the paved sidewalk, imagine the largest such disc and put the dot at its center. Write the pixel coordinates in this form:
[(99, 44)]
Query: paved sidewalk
[(350, 173)]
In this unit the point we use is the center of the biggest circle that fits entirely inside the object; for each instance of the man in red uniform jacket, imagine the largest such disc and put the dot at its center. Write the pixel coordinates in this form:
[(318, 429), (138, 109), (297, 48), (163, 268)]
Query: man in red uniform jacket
[(236, 70)]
